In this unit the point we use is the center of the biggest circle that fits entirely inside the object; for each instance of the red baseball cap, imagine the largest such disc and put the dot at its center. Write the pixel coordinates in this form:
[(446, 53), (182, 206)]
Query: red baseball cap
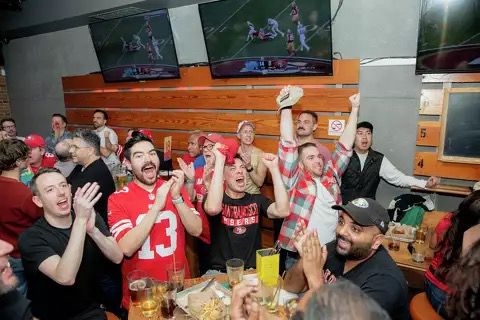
[(214, 137), (147, 133), (34, 141), (230, 150)]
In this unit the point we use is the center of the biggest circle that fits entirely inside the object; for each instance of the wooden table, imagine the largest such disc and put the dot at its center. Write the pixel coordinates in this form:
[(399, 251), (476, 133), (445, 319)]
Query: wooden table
[(135, 313)]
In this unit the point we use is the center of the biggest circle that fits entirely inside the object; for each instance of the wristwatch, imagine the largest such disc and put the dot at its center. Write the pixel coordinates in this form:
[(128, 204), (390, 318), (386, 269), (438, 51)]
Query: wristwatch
[(178, 200)]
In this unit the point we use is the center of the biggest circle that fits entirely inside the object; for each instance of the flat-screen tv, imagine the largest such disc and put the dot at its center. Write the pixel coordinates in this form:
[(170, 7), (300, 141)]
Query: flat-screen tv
[(248, 38), (449, 36), (136, 47)]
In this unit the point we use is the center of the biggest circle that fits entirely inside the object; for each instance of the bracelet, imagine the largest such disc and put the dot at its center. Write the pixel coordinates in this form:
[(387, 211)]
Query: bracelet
[(250, 170), (178, 200)]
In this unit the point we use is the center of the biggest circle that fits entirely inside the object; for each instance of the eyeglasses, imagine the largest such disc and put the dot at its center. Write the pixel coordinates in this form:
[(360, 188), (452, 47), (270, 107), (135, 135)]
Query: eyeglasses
[(208, 146)]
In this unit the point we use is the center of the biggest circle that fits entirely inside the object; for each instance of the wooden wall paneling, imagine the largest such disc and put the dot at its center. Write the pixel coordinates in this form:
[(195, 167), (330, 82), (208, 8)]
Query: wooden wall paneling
[(324, 99), (431, 102), (451, 77), (427, 164), (345, 72), (428, 133), (267, 124)]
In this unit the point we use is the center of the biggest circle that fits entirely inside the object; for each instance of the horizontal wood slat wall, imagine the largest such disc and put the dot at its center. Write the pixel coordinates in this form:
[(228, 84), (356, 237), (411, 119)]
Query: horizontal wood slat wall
[(428, 132), (196, 101), (344, 72)]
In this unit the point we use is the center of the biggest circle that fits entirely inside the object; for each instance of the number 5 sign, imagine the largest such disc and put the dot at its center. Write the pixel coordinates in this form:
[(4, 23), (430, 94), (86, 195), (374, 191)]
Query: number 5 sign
[(335, 127)]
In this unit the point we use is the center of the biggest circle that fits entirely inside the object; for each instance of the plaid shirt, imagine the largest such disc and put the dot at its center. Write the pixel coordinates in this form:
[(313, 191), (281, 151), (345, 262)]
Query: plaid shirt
[(302, 188)]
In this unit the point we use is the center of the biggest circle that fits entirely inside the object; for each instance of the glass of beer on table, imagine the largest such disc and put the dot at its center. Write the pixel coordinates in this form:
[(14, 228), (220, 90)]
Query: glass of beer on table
[(235, 271), (137, 282), (148, 300)]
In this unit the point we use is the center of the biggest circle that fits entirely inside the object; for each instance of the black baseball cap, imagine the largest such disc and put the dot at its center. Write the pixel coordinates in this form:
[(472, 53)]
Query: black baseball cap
[(366, 212), (365, 124)]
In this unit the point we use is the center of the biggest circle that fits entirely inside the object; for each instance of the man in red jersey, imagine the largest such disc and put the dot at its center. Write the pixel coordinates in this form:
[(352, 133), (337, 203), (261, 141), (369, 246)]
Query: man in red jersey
[(149, 217)]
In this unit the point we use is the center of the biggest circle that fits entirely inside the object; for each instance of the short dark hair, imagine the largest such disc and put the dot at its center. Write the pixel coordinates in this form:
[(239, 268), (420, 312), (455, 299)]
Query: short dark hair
[(64, 119), (33, 184), (7, 119), (90, 138), (105, 114), (365, 124), (127, 149), (310, 112), (12, 150), (343, 300), (304, 146)]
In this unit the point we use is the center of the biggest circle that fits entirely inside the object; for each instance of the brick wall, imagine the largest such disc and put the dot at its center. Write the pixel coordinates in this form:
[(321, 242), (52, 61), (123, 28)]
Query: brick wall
[(4, 102)]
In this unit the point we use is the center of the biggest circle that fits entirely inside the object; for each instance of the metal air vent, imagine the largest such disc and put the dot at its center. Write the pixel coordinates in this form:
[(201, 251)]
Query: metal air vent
[(118, 13)]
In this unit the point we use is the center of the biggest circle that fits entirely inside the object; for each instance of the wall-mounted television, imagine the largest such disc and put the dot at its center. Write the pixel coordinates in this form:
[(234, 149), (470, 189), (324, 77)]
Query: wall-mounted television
[(248, 38), (449, 36), (136, 47)]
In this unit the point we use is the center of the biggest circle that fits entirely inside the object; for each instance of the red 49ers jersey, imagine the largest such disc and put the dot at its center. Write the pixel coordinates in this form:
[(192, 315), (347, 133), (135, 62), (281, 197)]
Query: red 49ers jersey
[(126, 209)]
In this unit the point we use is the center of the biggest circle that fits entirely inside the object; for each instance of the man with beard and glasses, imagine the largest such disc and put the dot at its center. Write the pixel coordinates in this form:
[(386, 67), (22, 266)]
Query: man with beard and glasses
[(149, 216), (312, 179), (13, 305), (85, 152), (357, 255)]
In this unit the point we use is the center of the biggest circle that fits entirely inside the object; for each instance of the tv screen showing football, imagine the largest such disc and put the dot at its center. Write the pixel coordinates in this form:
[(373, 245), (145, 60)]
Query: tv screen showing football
[(137, 47), (248, 38)]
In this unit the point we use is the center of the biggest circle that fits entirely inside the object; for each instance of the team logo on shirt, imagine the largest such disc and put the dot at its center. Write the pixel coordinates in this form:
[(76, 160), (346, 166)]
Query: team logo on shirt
[(360, 202), (239, 230)]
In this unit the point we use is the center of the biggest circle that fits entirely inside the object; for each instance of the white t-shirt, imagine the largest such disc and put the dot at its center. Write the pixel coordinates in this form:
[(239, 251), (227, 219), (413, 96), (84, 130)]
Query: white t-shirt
[(324, 219), (112, 160)]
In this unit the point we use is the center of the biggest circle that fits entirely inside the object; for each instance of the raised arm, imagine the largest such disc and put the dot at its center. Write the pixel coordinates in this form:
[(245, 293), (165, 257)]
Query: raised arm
[(288, 150), (348, 136), (189, 216), (213, 202), (134, 239), (281, 207), (63, 270)]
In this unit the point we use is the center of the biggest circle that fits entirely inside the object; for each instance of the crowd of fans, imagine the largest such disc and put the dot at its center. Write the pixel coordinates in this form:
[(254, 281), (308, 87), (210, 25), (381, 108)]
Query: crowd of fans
[(68, 237)]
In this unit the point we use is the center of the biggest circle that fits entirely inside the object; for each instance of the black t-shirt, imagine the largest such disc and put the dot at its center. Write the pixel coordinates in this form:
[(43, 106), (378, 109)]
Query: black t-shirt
[(51, 300), (14, 306), (379, 277), (236, 233), (97, 172)]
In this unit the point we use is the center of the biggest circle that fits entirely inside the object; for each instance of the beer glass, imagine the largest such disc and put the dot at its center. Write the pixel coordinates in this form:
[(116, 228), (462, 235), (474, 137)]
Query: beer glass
[(234, 271)]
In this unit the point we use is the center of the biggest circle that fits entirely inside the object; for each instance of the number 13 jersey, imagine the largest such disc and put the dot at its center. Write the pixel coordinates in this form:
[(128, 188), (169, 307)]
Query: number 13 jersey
[(126, 209)]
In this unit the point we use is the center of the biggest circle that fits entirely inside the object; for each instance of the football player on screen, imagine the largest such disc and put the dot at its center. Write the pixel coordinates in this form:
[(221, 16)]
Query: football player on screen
[(273, 24), (301, 29)]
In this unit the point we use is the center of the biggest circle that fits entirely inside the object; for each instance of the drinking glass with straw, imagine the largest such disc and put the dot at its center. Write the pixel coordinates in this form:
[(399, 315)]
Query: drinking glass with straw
[(176, 274)]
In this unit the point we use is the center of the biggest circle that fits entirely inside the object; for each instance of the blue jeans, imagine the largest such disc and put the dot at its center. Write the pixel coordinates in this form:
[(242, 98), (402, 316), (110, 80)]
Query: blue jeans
[(437, 298), (17, 268)]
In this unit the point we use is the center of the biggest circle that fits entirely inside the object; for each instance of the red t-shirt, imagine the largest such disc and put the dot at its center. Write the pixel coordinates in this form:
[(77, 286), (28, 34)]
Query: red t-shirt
[(17, 211), (200, 192), (440, 230), (48, 161), (188, 158), (126, 209)]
